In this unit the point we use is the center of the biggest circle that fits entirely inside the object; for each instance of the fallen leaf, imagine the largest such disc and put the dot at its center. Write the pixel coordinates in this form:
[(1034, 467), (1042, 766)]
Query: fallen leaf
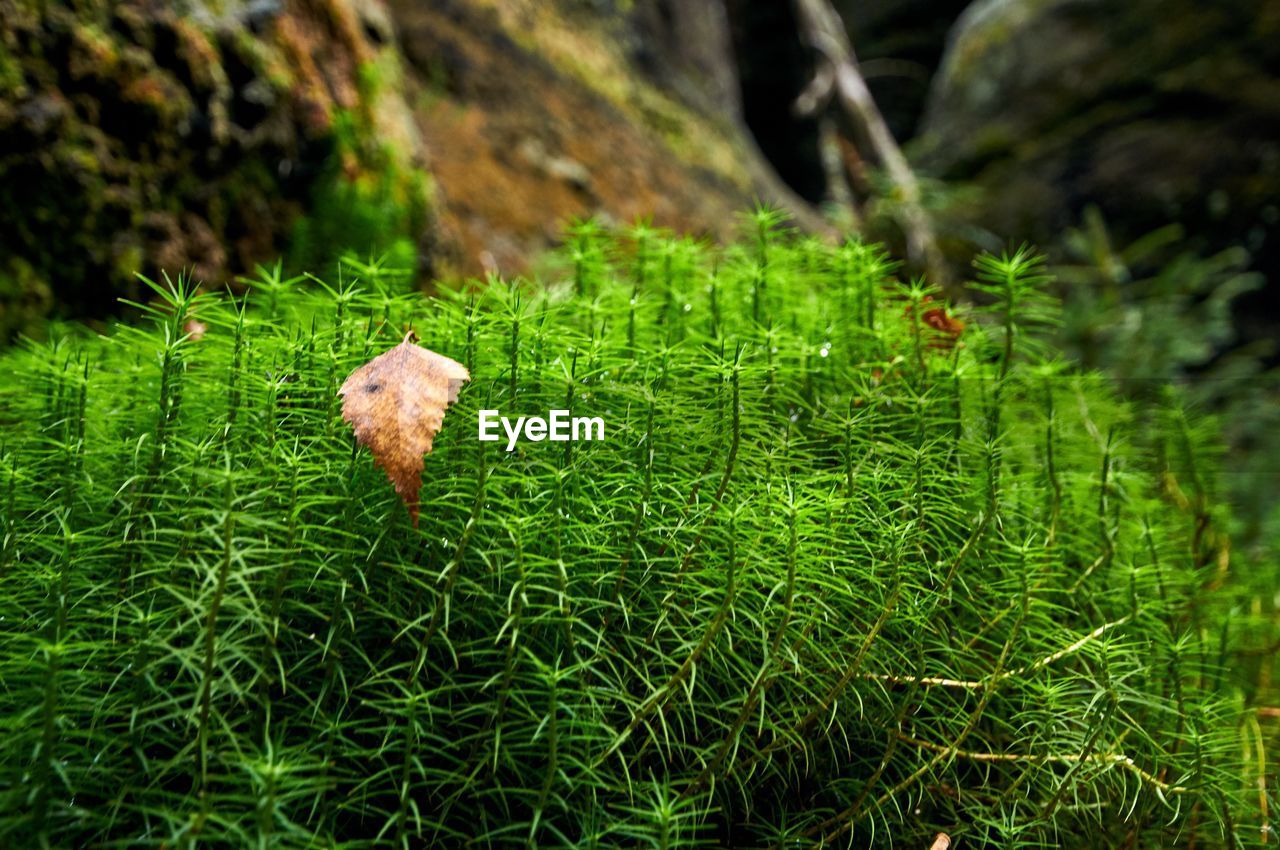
[(949, 328), (396, 404)]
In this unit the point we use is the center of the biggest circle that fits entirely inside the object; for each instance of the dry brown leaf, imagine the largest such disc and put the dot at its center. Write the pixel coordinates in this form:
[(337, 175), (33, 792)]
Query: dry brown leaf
[(396, 405), (948, 328)]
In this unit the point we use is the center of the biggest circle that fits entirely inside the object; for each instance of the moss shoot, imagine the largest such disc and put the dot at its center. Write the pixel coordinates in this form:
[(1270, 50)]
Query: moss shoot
[(836, 577)]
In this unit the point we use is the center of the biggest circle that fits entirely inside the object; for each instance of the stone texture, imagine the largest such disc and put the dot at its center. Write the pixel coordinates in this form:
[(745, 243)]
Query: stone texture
[(534, 113), (1157, 110), (134, 139)]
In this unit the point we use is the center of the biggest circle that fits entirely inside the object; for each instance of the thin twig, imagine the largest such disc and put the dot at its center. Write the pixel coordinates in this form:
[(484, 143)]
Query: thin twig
[(973, 685), (833, 169), (1120, 759), (841, 77)]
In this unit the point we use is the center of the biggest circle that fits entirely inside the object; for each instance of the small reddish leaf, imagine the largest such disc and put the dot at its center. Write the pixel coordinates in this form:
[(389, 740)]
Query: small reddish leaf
[(396, 404), (948, 328)]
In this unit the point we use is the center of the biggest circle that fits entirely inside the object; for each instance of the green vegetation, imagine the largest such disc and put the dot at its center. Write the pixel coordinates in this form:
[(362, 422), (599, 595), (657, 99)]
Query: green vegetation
[(1156, 313), (832, 575), (378, 211), (371, 195)]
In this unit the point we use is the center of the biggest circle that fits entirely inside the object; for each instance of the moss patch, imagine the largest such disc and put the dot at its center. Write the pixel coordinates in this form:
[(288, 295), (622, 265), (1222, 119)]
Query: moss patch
[(831, 575)]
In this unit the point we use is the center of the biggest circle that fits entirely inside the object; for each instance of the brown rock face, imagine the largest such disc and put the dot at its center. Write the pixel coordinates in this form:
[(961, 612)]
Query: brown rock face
[(136, 139), (536, 113)]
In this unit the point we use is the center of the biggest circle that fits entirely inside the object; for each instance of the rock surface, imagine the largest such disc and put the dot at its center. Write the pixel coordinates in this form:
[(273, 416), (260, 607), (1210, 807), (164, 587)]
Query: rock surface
[(1157, 110), (133, 139), (136, 139), (534, 113)]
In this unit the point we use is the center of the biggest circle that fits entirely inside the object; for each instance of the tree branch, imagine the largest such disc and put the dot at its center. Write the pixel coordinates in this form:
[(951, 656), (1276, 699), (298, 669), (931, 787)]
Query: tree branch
[(822, 27)]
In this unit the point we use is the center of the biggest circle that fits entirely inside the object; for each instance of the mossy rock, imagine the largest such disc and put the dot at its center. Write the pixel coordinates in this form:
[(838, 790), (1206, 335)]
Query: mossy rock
[(1157, 111), (841, 569), (136, 138)]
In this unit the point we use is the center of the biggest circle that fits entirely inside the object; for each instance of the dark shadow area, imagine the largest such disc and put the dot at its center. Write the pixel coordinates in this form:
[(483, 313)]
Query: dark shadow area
[(774, 67)]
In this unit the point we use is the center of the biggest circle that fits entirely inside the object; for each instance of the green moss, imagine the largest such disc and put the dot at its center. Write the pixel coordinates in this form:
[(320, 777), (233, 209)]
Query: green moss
[(24, 298), (829, 576), (370, 201), (95, 53), (10, 71)]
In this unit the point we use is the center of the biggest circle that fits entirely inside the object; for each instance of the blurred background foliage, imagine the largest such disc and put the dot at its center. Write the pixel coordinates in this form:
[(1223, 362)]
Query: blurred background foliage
[(1136, 143)]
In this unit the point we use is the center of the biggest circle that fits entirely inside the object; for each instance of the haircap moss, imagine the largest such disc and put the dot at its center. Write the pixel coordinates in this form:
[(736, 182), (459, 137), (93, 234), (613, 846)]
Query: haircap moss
[(840, 575)]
